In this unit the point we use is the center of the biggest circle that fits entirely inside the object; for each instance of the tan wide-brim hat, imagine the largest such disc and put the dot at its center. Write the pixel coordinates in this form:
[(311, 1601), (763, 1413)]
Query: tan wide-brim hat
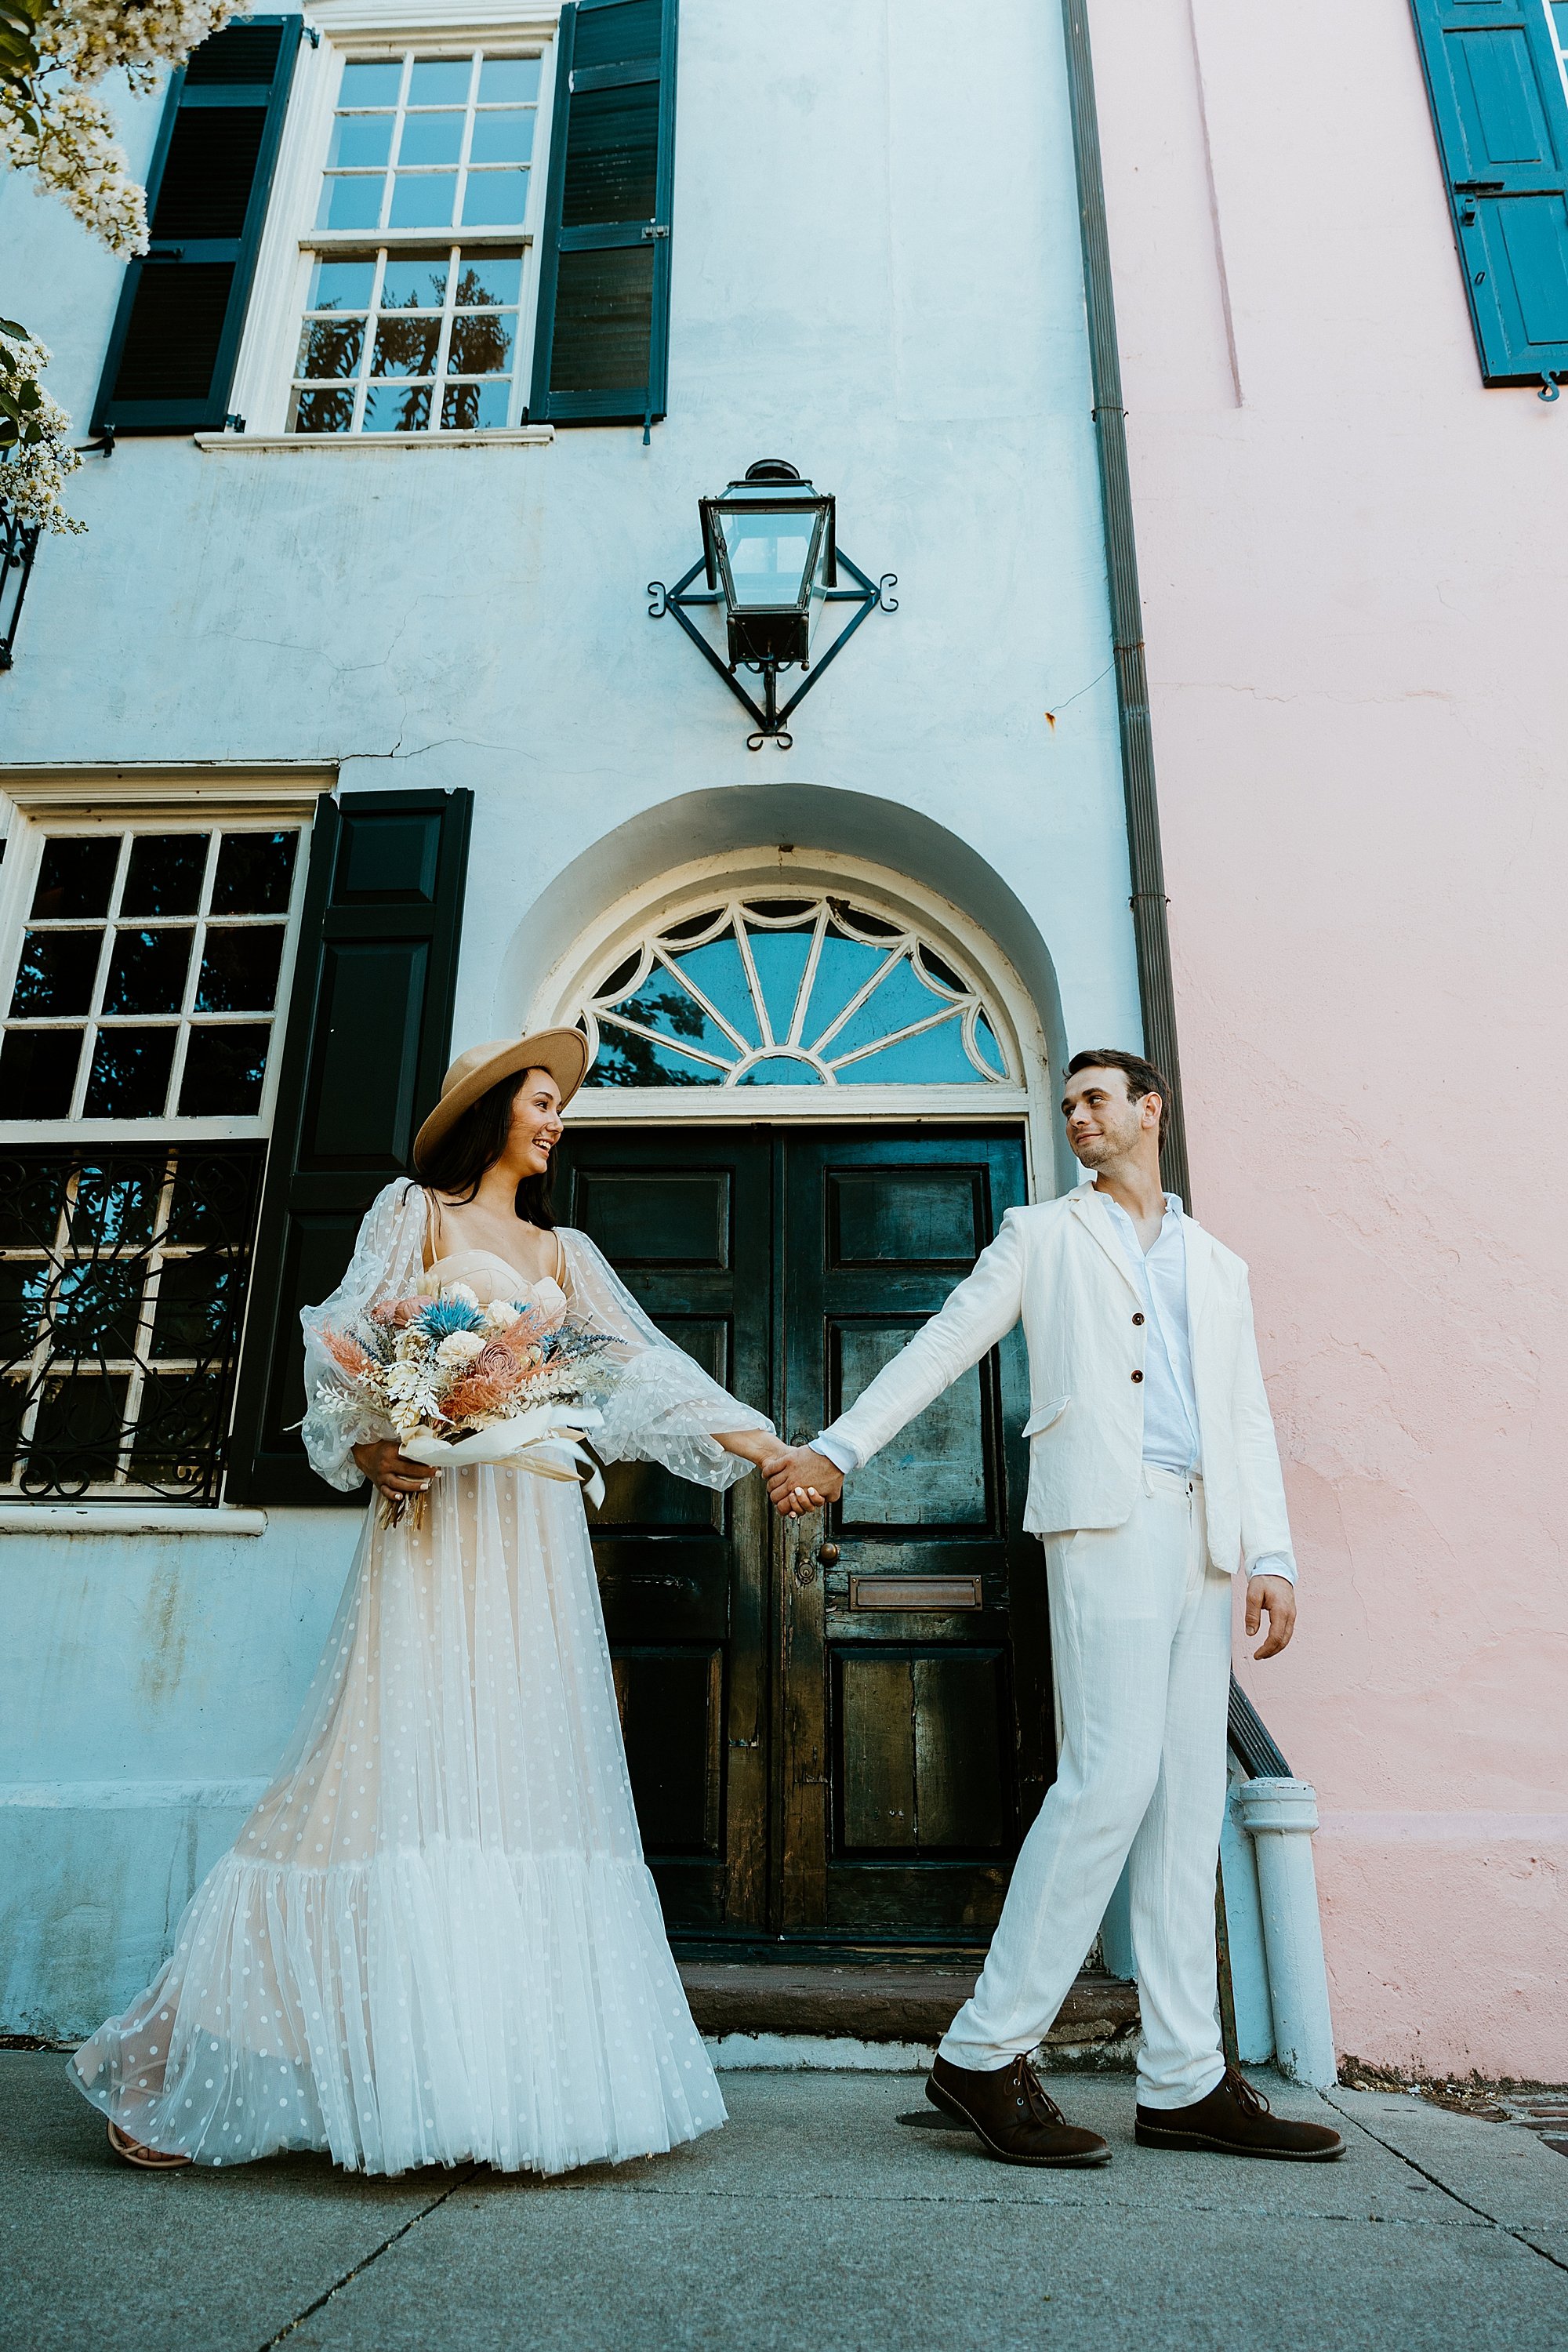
[(562, 1051)]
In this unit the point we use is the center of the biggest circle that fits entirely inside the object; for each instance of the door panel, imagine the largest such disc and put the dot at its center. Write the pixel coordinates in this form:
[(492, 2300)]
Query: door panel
[(910, 1756), (687, 1224)]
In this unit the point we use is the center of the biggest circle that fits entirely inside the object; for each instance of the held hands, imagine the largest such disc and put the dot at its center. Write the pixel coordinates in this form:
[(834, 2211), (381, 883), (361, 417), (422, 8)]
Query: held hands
[(391, 1471), (800, 1480), (1277, 1596)]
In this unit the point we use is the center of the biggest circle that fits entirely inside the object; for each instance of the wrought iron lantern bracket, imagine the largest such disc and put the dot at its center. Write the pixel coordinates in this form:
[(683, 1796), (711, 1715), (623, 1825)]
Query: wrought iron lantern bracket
[(770, 717)]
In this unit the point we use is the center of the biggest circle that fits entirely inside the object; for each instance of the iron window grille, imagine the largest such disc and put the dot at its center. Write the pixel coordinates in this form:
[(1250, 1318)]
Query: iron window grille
[(123, 1280)]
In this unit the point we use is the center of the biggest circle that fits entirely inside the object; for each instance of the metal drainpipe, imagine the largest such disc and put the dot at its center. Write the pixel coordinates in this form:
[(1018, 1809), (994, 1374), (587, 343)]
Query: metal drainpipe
[(1304, 2039)]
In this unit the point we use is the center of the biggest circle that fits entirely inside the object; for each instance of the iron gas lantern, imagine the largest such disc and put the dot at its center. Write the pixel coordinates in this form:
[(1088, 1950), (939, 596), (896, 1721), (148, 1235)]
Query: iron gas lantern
[(771, 556)]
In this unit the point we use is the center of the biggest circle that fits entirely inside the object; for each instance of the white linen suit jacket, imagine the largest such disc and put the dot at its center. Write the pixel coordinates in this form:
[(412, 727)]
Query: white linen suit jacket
[(1058, 1266)]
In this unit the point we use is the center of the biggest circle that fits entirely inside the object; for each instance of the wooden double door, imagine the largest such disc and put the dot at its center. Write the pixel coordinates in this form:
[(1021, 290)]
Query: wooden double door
[(837, 1726)]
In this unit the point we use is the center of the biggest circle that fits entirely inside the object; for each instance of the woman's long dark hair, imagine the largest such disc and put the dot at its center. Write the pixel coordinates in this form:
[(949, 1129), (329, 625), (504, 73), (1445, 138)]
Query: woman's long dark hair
[(455, 1162)]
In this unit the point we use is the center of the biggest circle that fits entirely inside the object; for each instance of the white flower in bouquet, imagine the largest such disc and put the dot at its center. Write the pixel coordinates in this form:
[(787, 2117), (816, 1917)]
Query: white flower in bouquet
[(460, 1347)]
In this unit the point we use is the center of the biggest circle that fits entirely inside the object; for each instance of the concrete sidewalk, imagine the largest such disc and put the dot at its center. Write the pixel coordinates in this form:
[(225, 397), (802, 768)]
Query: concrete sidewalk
[(815, 2219)]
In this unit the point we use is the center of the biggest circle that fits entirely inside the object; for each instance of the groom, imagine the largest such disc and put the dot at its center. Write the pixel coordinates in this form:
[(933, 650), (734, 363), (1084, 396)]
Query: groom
[(1154, 1473)]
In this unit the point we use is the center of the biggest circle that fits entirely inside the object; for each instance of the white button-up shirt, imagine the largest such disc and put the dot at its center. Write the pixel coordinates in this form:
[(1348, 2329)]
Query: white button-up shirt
[(1160, 1277)]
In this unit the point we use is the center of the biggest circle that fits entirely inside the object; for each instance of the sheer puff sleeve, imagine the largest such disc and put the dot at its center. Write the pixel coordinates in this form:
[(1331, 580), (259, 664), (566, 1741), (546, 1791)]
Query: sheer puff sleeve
[(388, 1263), (664, 1407)]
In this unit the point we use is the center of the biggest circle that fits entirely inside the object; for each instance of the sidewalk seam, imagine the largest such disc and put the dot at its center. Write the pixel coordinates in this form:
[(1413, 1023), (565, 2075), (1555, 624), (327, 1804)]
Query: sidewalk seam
[(1507, 2228), (374, 2256)]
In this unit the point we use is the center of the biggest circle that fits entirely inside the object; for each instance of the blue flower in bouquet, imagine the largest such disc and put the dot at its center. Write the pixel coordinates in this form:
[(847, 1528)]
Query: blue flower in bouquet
[(447, 1314)]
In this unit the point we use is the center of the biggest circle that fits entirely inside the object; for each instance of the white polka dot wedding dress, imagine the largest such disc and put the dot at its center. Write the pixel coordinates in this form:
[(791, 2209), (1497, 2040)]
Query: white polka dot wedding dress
[(435, 1938)]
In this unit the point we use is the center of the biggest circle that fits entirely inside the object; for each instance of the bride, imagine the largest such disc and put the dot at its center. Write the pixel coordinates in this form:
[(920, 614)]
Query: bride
[(436, 1938)]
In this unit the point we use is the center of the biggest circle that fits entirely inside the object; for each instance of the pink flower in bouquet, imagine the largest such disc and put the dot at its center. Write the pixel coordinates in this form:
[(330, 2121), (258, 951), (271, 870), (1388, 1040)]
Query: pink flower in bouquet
[(397, 1314), (346, 1352)]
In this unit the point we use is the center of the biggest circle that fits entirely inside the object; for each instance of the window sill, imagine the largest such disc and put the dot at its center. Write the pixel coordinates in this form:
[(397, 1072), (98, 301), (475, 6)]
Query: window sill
[(129, 1520), (255, 445)]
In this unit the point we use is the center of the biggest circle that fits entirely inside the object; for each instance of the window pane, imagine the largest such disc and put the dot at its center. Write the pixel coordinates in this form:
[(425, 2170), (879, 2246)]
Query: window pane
[(197, 1298), (431, 139), (97, 1305), (342, 285), (22, 1288), (56, 973), (165, 875), (331, 347), (361, 142), (718, 972), (781, 958), (663, 1005), (843, 967), (350, 203), (38, 1072), (476, 407), (76, 877), (491, 277), (423, 199), (130, 1073), (239, 970), (495, 199), (212, 1197), (899, 1000), (117, 1201), (224, 1070), (504, 137), (936, 1058), (482, 344), (176, 1429), (388, 410), (439, 81), (627, 1061), (76, 1440), (405, 346), (254, 873), (371, 82), (782, 1070), (320, 411), (32, 1195), (148, 971), (514, 79), (413, 281)]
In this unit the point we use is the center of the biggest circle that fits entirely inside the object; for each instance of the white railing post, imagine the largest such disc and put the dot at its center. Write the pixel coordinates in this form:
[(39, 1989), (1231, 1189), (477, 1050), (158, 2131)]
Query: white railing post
[(1281, 1817)]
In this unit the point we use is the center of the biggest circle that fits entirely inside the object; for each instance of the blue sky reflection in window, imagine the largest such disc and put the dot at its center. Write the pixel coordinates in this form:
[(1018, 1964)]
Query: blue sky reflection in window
[(790, 991)]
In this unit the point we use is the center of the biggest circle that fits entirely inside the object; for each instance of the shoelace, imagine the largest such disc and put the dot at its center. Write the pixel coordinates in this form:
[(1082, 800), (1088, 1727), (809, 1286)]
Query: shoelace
[(1250, 2102), (1030, 2088)]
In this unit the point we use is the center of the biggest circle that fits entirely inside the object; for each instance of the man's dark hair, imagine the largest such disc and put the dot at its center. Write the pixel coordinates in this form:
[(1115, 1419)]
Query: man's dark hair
[(1142, 1078)]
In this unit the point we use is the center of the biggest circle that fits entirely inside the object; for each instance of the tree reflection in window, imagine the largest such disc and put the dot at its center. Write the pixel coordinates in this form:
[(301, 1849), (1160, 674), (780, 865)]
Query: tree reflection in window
[(790, 991)]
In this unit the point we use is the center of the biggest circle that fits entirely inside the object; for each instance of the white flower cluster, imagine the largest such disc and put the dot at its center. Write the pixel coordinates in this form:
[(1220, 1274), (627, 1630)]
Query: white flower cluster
[(33, 475), (50, 124)]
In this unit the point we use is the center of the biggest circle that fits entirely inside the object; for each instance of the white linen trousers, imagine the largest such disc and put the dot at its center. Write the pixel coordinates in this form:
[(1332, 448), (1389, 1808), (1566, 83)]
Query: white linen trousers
[(1141, 1640)]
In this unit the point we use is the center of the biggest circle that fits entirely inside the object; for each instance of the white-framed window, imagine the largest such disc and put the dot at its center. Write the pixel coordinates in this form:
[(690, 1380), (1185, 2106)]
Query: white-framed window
[(142, 982), (145, 960), (415, 183)]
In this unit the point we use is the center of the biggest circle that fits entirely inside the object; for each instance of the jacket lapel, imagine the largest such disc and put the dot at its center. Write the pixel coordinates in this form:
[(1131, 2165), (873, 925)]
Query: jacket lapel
[(1200, 1270), (1096, 1223)]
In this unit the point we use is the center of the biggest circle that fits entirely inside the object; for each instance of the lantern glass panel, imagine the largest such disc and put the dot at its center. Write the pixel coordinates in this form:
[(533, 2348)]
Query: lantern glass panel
[(769, 555)]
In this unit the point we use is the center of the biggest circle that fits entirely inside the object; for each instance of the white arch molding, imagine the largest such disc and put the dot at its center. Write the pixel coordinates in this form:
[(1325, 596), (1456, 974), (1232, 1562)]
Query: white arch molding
[(565, 994)]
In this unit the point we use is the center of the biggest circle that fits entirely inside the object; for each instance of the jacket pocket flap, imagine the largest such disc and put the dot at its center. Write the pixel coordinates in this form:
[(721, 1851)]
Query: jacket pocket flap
[(1042, 1415)]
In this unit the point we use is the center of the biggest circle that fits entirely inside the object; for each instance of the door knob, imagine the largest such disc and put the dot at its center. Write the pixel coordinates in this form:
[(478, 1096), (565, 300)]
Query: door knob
[(829, 1555)]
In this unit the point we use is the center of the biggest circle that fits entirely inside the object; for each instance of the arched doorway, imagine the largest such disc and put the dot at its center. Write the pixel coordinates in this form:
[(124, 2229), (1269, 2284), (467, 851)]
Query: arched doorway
[(808, 1113)]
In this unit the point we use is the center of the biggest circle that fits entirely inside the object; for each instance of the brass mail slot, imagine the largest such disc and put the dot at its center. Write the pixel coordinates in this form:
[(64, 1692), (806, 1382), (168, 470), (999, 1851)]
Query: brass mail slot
[(914, 1593)]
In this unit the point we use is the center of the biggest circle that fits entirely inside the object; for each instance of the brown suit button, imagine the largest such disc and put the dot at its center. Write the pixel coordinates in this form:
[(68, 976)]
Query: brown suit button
[(1137, 1319), (1137, 1376)]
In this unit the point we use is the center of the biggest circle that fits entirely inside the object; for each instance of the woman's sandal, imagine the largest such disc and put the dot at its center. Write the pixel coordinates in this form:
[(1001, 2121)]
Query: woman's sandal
[(148, 2160)]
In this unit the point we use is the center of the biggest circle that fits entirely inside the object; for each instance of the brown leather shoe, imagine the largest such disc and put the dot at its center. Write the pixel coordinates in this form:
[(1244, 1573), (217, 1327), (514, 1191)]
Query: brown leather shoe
[(1235, 2119), (1014, 2117)]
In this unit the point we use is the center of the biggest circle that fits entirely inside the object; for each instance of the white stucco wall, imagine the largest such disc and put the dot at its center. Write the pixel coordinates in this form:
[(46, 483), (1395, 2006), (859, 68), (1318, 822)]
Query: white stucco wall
[(876, 274)]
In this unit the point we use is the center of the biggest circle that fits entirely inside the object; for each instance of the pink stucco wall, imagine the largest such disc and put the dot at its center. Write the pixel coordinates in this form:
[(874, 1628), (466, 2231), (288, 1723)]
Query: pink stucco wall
[(1353, 563)]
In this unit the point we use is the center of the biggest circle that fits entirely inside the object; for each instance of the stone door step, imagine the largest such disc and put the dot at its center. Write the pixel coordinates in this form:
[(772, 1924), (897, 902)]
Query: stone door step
[(865, 2001)]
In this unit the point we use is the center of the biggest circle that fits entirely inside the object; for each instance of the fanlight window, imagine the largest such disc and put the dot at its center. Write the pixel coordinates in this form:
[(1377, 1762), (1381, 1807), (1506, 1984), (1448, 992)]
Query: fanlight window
[(790, 993)]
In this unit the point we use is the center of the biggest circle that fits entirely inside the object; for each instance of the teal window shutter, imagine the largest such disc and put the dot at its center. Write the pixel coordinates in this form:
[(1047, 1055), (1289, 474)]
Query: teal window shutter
[(1495, 75), (601, 346), (181, 309), (368, 1041)]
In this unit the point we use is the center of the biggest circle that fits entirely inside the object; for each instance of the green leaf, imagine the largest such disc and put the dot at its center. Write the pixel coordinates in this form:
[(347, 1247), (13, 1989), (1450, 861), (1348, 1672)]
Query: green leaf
[(18, 333)]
